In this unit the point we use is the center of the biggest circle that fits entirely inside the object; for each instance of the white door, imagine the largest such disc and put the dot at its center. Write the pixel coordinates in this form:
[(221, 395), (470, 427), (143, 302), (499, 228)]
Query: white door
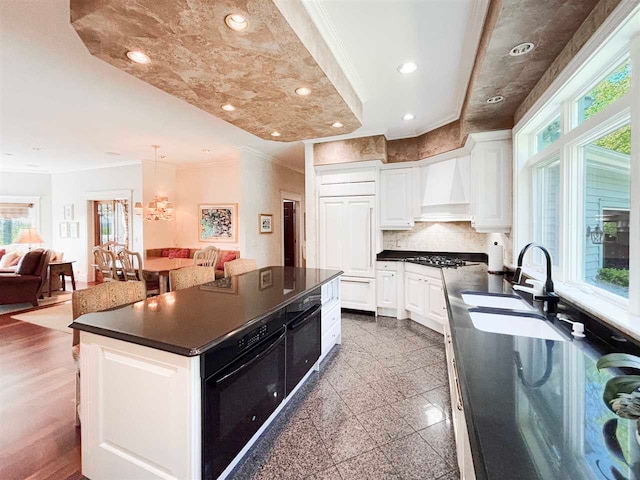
[(436, 302), (387, 285), (331, 233), (414, 293), (396, 196), (358, 258)]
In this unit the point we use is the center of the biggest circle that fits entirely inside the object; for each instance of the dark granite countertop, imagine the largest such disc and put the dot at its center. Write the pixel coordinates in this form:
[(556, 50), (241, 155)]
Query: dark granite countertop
[(401, 255), (550, 422), (191, 321)]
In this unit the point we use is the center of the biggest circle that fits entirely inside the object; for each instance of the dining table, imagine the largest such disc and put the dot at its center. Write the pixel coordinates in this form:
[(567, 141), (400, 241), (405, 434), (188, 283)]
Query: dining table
[(161, 266)]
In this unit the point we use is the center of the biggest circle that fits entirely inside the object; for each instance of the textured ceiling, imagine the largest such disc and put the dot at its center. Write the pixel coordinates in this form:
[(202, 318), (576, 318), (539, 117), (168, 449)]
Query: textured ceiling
[(195, 57), (549, 24)]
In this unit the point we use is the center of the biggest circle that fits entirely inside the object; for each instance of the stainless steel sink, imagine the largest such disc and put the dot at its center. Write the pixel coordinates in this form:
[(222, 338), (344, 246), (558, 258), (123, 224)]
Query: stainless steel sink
[(495, 300), (518, 324)]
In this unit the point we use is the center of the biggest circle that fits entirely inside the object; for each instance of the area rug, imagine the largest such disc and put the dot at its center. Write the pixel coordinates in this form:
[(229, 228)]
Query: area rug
[(56, 317), (57, 297)]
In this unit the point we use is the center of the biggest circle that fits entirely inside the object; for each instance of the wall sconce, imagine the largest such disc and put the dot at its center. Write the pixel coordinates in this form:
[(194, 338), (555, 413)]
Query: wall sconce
[(596, 234)]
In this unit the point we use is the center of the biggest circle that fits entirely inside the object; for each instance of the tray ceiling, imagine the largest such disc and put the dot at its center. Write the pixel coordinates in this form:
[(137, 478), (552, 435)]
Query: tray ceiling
[(197, 58)]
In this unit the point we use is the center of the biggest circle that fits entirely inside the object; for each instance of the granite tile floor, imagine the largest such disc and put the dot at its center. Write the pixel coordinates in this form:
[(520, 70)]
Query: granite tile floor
[(378, 409)]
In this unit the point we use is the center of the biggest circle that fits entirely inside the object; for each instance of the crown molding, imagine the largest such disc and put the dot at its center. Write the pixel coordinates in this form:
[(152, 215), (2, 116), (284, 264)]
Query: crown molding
[(327, 30), (268, 158)]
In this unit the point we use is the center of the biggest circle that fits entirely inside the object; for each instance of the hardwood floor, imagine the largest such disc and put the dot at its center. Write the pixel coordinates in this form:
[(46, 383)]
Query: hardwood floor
[(38, 439)]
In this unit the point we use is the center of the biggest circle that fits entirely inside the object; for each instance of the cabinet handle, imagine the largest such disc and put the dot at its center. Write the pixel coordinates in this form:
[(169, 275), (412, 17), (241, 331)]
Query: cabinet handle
[(458, 391)]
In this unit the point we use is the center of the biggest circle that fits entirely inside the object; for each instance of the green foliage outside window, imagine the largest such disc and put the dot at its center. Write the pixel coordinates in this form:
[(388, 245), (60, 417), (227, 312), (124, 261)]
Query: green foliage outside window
[(614, 276)]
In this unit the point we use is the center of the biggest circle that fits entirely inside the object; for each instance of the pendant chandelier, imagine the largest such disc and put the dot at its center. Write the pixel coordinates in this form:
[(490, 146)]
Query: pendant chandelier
[(160, 208)]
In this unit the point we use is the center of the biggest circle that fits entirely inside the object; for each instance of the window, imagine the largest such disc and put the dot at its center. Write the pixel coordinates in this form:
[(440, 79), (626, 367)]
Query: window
[(548, 134), (13, 218), (547, 209), (607, 201), (110, 221), (615, 85)]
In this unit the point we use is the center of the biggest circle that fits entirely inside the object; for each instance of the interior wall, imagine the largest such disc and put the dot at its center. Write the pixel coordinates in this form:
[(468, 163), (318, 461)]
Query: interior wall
[(159, 234), (78, 188), (217, 182), (262, 184), (25, 184)]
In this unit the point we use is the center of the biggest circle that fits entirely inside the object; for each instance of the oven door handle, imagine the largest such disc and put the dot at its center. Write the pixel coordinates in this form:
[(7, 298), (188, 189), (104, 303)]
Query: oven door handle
[(252, 360), (304, 316)]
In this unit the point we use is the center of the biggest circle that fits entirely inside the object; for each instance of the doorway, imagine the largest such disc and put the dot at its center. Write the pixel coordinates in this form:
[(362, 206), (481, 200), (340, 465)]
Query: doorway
[(110, 222), (289, 232)]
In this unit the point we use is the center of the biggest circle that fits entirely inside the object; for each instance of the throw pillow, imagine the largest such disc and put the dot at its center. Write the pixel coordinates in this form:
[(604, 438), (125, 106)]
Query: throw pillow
[(8, 258), (224, 257), (181, 253), (29, 262), (2, 252)]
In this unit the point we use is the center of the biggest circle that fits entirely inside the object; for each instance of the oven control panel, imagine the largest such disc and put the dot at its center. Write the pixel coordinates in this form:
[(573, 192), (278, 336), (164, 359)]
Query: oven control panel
[(253, 337)]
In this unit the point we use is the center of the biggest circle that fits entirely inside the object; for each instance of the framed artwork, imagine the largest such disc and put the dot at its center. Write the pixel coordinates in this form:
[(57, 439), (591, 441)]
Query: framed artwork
[(74, 230), (68, 211), (64, 230), (266, 223), (218, 223), (266, 278)]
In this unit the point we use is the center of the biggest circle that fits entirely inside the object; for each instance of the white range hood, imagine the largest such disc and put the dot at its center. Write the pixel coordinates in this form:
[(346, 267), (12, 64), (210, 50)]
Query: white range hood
[(445, 191)]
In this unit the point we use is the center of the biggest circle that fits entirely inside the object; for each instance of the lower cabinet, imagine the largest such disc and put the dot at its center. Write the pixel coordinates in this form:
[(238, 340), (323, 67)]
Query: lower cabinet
[(415, 294), (424, 296), (331, 326), (358, 293), (387, 286), (463, 448), (437, 305)]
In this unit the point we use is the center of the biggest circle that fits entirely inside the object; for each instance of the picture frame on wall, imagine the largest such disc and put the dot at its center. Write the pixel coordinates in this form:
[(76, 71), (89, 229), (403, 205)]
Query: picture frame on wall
[(218, 222), (64, 230), (74, 230), (266, 223), (68, 211)]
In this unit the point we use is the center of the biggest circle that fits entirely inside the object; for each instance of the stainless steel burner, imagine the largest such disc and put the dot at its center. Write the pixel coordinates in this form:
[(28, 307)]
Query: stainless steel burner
[(437, 261)]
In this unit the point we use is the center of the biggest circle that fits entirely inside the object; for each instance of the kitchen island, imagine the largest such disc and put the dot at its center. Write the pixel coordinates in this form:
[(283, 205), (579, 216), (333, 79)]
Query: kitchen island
[(532, 408), (181, 385)]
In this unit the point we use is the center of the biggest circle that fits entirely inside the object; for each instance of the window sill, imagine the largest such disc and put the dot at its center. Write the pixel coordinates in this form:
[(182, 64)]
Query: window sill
[(612, 313)]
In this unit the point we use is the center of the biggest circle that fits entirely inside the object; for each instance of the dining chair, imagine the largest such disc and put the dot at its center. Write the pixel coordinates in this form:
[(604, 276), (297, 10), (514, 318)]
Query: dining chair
[(106, 263), (131, 264), (96, 299), (207, 257), (187, 277), (239, 266)]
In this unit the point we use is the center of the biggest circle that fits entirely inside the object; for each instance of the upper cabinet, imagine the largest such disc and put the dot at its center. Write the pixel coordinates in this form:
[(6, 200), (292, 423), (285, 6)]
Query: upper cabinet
[(491, 197), (396, 199)]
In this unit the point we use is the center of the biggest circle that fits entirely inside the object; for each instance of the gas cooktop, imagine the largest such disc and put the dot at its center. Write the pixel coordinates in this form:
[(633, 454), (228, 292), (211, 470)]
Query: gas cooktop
[(437, 261)]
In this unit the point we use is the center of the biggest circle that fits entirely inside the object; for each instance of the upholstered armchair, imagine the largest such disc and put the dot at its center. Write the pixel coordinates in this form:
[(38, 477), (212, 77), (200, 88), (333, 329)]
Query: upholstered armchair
[(26, 283)]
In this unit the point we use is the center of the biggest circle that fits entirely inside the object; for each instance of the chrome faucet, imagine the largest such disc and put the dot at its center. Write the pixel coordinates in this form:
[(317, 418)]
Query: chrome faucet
[(548, 293)]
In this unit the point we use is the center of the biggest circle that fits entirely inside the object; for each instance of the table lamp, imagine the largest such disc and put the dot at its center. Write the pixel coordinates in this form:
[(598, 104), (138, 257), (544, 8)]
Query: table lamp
[(29, 236)]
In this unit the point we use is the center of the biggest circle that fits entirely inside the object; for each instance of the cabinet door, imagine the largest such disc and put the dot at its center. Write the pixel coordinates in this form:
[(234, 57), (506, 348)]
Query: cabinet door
[(414, 293), (437, 305), (358, 257), (396, 199), (331, 233), (387, 285)]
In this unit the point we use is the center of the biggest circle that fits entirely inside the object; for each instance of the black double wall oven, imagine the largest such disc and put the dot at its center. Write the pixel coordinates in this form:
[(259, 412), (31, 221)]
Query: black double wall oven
[(247, 377)]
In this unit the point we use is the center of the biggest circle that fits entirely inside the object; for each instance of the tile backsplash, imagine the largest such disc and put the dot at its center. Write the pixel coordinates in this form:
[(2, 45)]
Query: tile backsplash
[(445, 237)]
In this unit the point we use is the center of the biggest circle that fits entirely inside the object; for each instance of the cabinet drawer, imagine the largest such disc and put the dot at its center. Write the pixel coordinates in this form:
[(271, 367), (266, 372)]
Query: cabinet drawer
[(329, 318), (358, 293), (389, 266), (330, 339), (331, 291)]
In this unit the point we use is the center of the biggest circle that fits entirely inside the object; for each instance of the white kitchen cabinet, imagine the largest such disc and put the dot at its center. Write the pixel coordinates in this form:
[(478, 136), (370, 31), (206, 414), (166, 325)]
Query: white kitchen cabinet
[(463, 447), (387, 286), (436, 302), (358, 293), (491, 167), (415, 297), (396, 199), (346, 233)]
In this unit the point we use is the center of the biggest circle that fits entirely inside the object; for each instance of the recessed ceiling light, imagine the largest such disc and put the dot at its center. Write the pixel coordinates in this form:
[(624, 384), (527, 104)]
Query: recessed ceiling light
[(138, 56), (303, 91), (227, 107), (236, 22), (337, 125), (408, 67), (496, 99), (275, 133), (206, 150), (521, 49), (409, 116)]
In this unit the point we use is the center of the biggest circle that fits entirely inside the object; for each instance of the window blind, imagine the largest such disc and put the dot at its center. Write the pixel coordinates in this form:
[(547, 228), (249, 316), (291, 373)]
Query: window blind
[(9, 211)]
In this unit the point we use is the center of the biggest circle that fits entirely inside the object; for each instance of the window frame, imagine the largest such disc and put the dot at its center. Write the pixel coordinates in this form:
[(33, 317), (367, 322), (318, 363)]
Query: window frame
[(35, 201), (568, 149)]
